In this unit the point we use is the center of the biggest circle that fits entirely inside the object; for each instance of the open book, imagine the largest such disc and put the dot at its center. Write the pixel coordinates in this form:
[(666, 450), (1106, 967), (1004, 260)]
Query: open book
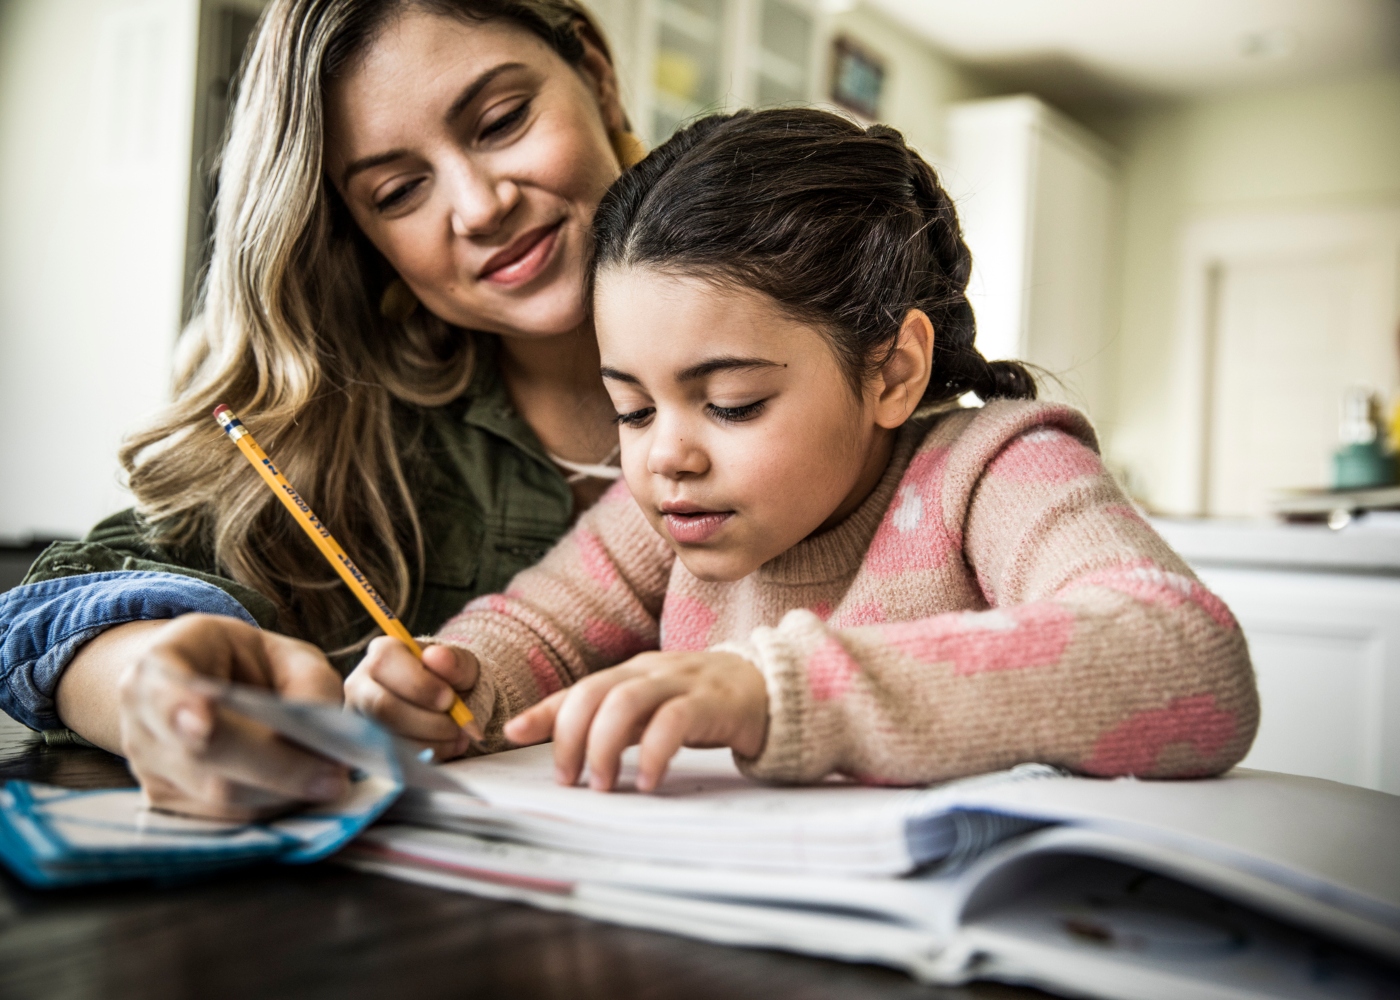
[(1251, 885)]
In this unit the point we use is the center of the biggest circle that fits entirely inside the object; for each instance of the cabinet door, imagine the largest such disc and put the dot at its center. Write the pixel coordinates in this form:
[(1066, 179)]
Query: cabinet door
[(1326, 651)]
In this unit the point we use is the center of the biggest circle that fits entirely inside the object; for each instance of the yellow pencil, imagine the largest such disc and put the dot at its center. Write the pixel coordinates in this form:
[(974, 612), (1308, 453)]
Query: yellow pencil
[(330, 548)]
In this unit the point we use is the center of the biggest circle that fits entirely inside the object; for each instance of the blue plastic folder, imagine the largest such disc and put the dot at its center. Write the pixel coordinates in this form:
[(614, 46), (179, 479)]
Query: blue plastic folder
[(57, 836)]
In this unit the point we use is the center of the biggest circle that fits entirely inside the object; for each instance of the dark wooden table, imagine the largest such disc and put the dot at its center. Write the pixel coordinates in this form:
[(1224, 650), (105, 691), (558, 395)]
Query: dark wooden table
[(325, 931)]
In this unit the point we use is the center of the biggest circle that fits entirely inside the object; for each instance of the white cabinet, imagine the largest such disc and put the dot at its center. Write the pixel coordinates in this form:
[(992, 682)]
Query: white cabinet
[(1037, 196), (700, 56), (1326, 651), (1321, 612)]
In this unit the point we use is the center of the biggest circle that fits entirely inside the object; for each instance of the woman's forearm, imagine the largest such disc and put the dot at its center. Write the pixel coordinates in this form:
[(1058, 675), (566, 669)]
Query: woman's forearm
[(87, 698)]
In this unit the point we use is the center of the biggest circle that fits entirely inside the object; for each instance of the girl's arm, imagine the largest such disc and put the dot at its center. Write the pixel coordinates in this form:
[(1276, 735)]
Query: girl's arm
[(592, 602), (1099, 652)]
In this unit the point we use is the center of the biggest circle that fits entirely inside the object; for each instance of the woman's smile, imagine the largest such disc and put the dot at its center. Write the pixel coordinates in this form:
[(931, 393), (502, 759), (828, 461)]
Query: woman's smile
[(524, 258)]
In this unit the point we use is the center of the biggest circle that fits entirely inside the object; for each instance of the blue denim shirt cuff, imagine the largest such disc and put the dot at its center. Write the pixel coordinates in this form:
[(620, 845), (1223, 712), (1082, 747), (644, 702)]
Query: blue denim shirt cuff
[(42, 626)]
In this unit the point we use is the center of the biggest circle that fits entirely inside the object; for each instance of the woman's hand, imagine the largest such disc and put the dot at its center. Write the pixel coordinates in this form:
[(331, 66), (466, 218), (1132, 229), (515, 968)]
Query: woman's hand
[(191, 755), (411, 696), (663, 701)]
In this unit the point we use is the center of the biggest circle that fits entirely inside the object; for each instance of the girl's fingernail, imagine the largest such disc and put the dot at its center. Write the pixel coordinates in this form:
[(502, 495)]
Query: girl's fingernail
[(192, 725), (562, 776)]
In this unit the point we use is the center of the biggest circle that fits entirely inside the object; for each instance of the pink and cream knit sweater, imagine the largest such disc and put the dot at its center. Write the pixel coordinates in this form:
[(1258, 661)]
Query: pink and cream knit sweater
[(994, 600)]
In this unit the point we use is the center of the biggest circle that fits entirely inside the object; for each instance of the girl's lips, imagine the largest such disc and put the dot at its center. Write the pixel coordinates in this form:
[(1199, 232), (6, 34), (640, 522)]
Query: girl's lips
[(523, 259), (695, 528)]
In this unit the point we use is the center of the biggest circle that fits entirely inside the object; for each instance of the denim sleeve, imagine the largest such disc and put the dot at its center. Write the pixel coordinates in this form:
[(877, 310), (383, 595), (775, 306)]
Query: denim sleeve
[(42, 625)]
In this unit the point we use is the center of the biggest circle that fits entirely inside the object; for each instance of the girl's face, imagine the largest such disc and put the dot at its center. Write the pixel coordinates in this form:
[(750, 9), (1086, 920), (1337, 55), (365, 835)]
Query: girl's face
[(740, 434), (474, 157)]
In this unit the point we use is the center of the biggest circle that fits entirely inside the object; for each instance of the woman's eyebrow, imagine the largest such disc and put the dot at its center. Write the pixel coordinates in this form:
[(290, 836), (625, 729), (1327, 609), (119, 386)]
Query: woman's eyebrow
[(469, 93)]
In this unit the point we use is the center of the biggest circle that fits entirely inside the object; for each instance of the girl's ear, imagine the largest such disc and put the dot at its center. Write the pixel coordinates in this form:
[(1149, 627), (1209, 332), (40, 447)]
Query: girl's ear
[(905, 375), (601, 76)]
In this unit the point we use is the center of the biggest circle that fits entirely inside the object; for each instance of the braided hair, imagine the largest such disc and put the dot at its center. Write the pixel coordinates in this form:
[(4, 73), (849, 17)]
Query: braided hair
[(845, 227)]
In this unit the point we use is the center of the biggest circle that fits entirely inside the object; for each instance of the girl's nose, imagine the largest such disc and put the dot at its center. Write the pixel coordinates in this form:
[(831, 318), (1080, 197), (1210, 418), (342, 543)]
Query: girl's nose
[(676, 454), (480, 201)]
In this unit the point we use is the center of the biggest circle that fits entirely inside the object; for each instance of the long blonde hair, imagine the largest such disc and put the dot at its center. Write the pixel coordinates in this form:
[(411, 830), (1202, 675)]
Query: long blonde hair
[(288, 333)]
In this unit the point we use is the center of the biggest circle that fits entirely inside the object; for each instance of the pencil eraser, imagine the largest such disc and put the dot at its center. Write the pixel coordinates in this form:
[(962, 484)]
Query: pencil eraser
[(221, 408)]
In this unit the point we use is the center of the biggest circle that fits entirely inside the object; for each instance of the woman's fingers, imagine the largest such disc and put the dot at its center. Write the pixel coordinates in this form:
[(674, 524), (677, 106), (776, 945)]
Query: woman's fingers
[(300, 671)]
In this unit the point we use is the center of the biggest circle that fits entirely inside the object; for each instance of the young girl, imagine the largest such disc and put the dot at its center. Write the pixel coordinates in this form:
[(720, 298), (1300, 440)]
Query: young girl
[(842, 569)]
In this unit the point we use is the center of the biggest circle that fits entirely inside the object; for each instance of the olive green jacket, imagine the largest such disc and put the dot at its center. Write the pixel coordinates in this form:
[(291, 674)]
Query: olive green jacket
[(489, 500)]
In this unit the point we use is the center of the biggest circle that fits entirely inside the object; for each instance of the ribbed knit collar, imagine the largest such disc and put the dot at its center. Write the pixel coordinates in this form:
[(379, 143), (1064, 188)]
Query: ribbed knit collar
[(839, 551)]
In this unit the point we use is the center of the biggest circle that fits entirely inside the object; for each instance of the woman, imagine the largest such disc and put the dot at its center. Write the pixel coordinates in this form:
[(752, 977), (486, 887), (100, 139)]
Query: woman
[(398, 173)]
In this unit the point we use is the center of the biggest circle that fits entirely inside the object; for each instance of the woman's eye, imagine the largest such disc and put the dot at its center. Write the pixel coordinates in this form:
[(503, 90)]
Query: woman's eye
[(397, 196), (507, 121), (736, 414), (635, 418)]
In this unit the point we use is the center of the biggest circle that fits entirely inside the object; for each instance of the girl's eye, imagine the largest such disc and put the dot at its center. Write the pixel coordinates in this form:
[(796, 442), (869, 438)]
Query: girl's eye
[(507, 122), (736, 414), (397, 196), (636, 418)]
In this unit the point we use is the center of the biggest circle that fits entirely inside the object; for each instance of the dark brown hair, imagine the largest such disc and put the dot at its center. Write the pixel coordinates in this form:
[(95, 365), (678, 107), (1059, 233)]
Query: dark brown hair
[(846, 227)]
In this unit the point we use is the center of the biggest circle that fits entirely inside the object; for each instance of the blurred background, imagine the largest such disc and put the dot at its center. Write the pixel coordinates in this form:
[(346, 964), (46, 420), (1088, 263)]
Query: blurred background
[(1187, 211)]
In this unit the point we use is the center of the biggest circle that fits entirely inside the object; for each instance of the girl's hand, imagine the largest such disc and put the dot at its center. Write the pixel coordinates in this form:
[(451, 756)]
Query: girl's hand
[(411, 696), (663, 701), (192, 756)]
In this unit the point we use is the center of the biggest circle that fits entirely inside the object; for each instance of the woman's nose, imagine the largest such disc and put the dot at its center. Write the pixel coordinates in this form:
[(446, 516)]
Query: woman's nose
[(676, 454), (479, 200)]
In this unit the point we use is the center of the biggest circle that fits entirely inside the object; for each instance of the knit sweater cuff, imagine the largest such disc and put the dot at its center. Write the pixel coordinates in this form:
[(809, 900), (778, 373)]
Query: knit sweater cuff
[(488, 699), (781, 759)]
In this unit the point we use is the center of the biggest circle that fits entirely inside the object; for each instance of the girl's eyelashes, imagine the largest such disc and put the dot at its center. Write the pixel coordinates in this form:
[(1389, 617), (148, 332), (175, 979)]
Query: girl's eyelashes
[(724, 414), (636, 418), (736, 414)]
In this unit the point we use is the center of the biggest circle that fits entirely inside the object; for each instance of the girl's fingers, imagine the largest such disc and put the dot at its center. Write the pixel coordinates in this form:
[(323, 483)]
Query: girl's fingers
[(458, 667), (666, 733), (535, 724), (619, 721), (428, 726), (394, 668), (575, 717)]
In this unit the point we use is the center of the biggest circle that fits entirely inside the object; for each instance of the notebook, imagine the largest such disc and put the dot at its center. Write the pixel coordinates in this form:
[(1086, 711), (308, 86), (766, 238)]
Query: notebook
[(1251, 885)]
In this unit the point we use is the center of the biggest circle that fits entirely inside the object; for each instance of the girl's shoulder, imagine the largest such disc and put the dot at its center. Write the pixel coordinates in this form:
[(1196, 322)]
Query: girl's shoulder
[(957, 445)]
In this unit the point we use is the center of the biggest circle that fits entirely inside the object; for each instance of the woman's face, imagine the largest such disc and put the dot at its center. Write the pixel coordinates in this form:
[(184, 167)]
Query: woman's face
[(473, 157)]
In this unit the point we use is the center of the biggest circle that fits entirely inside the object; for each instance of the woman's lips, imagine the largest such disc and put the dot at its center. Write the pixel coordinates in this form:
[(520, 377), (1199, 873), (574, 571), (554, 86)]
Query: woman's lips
[(524, 258), (695, 527)]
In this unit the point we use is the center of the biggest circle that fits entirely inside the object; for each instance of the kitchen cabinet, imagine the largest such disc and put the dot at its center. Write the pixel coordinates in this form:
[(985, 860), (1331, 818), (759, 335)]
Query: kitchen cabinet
[(1037, 195), (1321, 612)]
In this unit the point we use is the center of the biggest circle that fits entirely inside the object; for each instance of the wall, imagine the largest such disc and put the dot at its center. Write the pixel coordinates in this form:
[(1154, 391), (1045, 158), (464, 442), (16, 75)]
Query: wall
[(95, 110), (920, 81), (1325, 145)]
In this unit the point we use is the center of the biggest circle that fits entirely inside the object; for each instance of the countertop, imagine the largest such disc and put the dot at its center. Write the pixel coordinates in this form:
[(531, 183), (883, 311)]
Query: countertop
[(1369, 545)]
